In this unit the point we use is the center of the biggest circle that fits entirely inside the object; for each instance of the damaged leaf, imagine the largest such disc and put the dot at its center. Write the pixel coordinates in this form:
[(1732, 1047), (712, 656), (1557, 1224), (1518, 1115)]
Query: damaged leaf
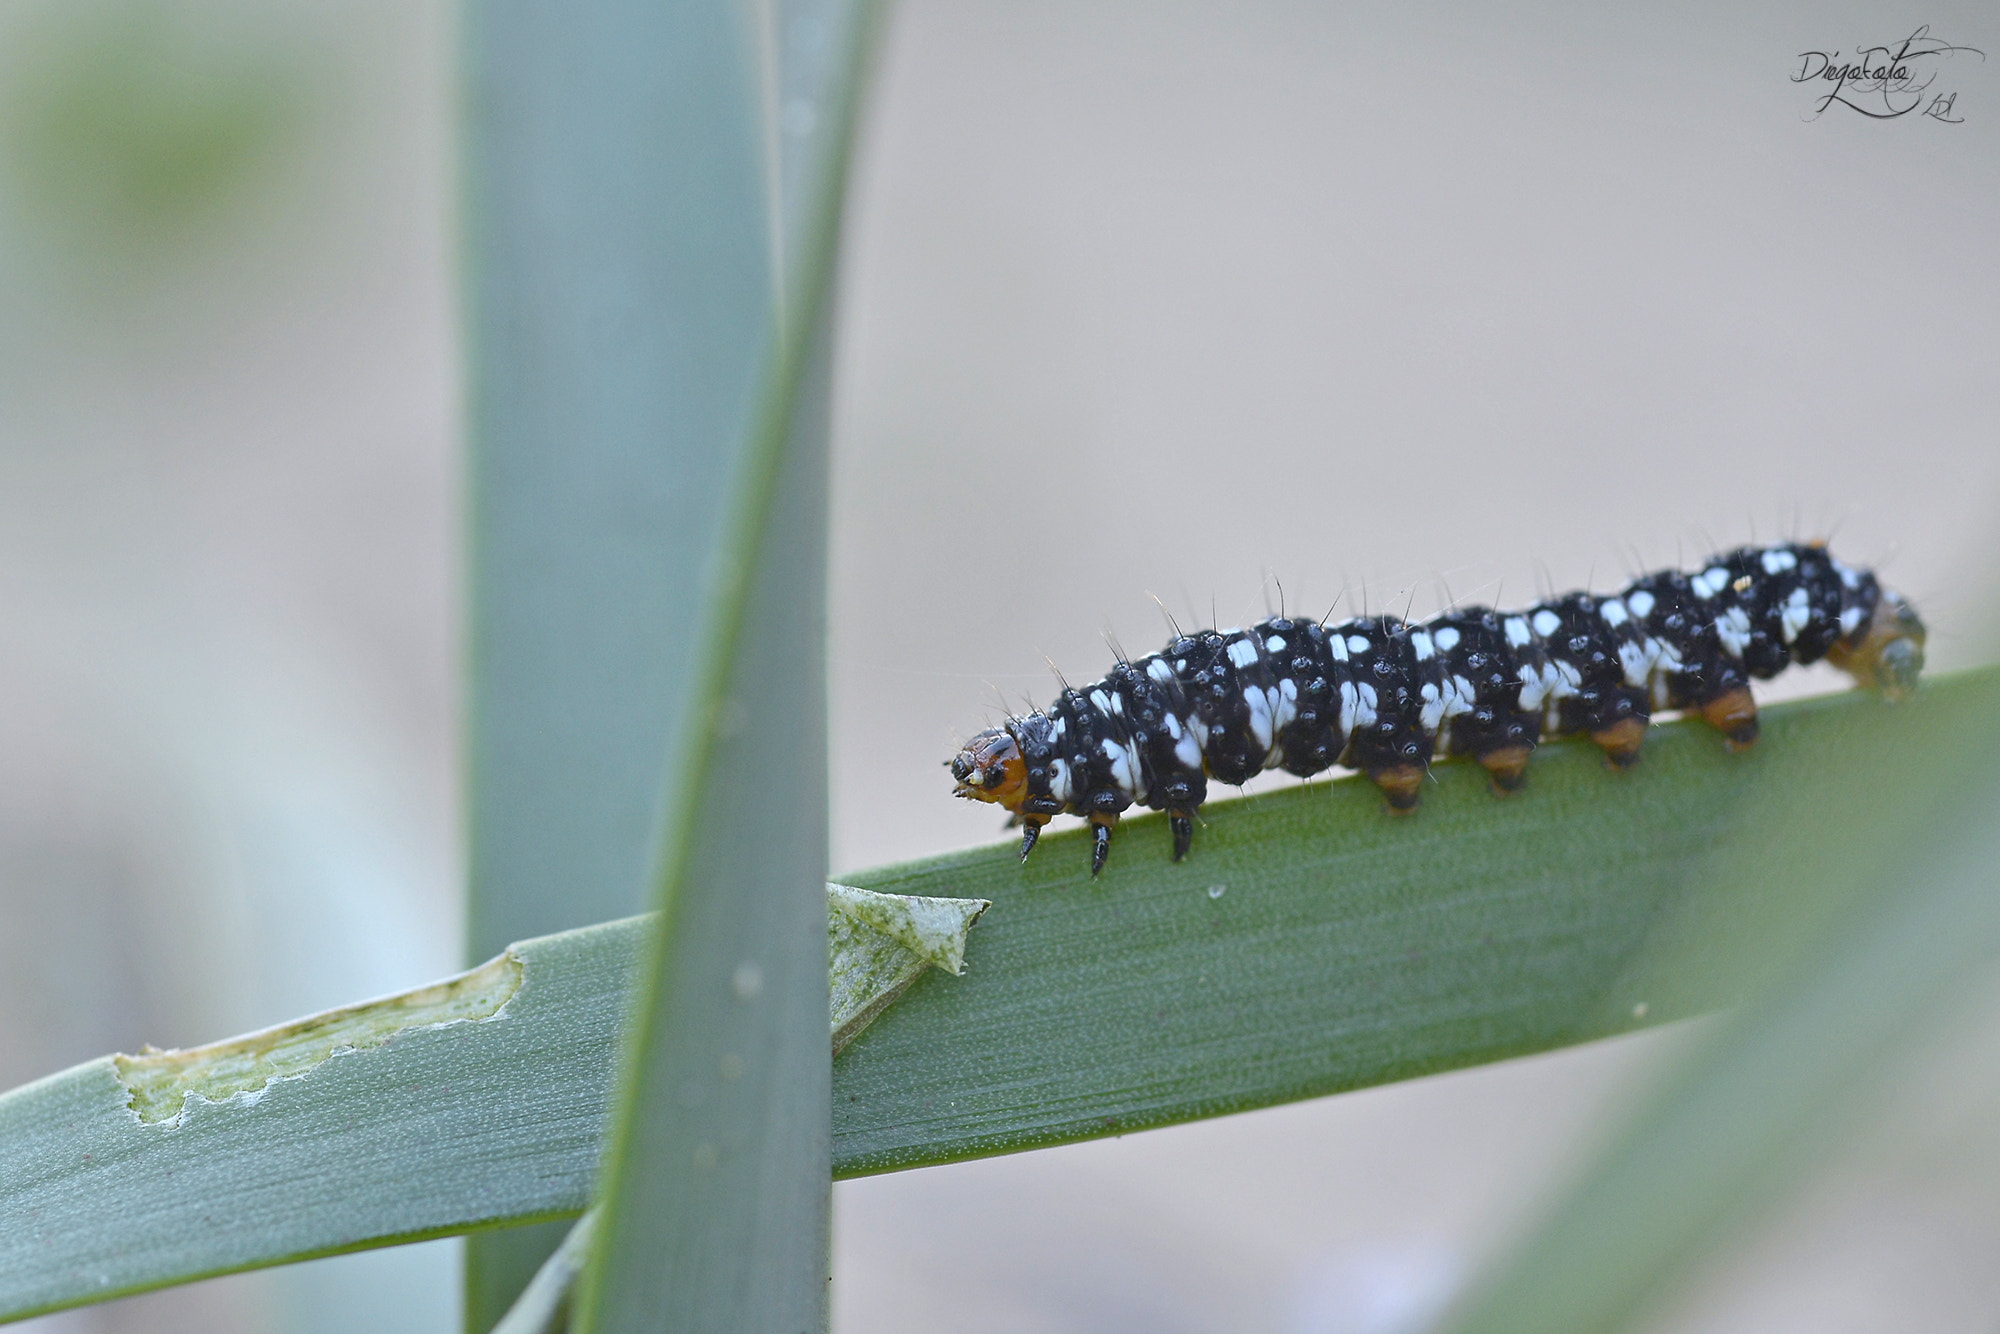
[(877, 944), (1312, 945), (475, 1101), (162, 1082)]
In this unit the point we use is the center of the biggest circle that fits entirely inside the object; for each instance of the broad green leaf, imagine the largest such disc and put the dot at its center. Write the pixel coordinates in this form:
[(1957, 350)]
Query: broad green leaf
[(1865, 919), (393, 1121), (477, 1100), (1310, 944)]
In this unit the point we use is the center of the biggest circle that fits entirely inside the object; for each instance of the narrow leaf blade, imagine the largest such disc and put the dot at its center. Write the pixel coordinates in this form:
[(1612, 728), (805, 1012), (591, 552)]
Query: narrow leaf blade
[(619, 291), (715, 1208)]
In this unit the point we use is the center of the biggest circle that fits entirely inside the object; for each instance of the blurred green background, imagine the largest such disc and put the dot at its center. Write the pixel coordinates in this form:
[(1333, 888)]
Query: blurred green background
[(1185, 300)]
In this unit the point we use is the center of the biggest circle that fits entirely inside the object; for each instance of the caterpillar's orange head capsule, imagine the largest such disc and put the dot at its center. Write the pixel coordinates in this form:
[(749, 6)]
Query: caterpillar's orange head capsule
[(1890, 654), (990, 768)]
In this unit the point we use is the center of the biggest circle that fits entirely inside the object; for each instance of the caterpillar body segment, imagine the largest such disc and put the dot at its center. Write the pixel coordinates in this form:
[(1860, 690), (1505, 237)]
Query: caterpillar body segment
[(1390, 697)]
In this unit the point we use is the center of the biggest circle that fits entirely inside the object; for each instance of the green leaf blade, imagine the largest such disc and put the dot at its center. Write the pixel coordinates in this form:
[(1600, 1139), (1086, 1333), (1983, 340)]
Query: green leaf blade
[(1864, 923), (1374, 949), (714, 1207), (620, 295), (435, 1130), (1347, 948)]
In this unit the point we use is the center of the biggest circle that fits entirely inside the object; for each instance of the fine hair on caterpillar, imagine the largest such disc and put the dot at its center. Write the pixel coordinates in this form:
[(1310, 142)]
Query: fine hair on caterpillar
[(1387, 696)]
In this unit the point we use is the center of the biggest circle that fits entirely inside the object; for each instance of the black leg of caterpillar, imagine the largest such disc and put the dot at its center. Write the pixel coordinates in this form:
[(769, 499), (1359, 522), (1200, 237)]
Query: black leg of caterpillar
[(1031, 829), (1100, 841), (1182, 823)]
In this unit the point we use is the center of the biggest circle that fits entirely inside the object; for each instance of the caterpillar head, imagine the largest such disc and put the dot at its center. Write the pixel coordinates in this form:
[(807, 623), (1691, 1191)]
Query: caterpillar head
[(990, 768), (1888, 653)]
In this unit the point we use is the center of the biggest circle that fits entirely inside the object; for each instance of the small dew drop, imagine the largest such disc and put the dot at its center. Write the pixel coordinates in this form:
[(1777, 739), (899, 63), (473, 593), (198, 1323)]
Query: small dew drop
[(747, 981), (1217, 891), (1639, 1010)]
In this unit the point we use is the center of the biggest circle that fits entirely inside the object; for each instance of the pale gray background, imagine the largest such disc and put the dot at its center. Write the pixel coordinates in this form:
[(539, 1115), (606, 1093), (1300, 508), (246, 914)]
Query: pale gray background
[(1180, 300)]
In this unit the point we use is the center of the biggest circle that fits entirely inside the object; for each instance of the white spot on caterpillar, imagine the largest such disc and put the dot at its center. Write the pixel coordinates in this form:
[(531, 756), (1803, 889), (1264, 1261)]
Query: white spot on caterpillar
[(1097, 698), (1355, 710), (1517, 632), (1160, 672), (1198, 730), (1709, 582), (1421, 642), (1542, 687), (1636, 657), (1431, 714), (1124, 766), (1242, 652), (1641, 604), (1797, 614), (1733, 628), (1447, 638), (1188, 753), (1339, 646), (1059, 780), (1665, 662), (1850, 578), (1568, 681), (1275, 644), (1062, 726), (1849, 619), (1457, 699), (1357, 644), (1284, 706), (1778, 560), (1613, 612), (1260, 717), (1546, 623), (1173, 726), (1535, 683)]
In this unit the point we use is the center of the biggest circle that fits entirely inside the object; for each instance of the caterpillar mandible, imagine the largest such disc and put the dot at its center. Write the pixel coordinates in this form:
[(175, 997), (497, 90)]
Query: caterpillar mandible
[(1387, 696)]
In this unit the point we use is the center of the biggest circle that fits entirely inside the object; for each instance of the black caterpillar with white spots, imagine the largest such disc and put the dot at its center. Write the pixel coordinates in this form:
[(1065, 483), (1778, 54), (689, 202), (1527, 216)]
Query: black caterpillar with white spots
[(1387, 696)]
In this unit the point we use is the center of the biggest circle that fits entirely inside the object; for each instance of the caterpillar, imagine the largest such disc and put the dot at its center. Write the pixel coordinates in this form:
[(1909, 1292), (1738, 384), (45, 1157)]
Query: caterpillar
[(1387, 697)]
